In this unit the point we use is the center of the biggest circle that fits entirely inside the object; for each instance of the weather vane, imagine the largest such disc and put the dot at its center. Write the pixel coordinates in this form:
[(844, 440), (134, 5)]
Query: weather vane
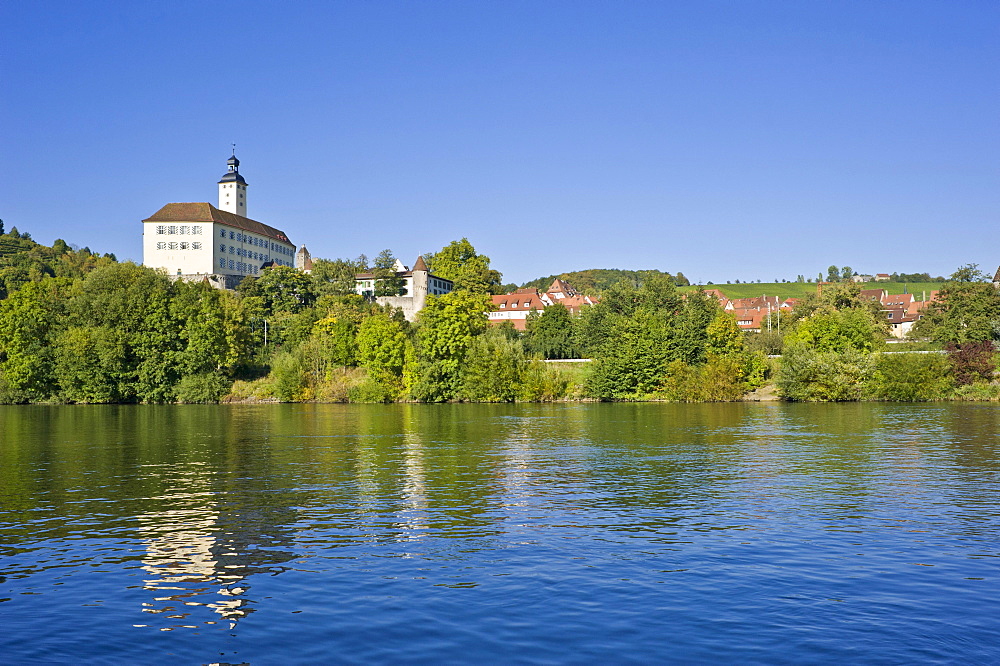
[(234, 150)]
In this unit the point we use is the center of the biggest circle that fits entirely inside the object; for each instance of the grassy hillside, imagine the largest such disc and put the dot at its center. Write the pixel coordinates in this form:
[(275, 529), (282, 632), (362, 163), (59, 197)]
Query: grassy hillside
[(800, 289), (596, 280)]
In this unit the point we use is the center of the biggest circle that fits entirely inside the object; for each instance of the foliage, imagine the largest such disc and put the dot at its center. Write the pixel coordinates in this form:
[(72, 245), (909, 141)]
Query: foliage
[(810, 375), (493, 369), (597, 280), (910, 377), (446, 328), (387, 281), (550, 335), (205, 387), (966, 311), (830, 330), (279, 289), (545, 382), (337, 277), (459, 262), (971, 362)]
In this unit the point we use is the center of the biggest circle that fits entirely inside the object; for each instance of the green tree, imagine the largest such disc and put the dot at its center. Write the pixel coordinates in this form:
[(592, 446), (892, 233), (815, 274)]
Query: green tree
[(493, 368), (279, 289), (336, 277), (966, 310), (381, 344), (833, 274), (29, 320), (551, 333), (447, 326), (459, 262), (387, 281), (846, 273)]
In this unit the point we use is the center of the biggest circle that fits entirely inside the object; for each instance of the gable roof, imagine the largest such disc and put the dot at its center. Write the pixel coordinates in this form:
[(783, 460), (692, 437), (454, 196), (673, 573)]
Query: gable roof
[(206, 212)]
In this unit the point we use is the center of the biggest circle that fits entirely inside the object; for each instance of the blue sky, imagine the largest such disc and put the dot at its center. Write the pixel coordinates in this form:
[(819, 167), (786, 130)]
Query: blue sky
[(727, 140)]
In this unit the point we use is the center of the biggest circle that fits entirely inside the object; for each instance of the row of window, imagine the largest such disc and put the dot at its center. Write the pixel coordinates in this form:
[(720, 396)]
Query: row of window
[(178, 246), (242, 252), (254, 240), (182, 230), (240, 266)]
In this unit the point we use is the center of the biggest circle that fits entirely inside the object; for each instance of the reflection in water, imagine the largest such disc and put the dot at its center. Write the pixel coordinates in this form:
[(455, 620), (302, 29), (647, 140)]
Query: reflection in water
[(444, 533)]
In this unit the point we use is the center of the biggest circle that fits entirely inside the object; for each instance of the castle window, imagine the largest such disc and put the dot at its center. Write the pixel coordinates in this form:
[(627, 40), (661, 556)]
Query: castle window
[(232, 264), (182, 230), (195, 246), (232, 250), (232, 235), (184, 246), (171, 230), (171, 246), (222, 247), (222, 263), (222, 233), (196, 231), (161, 229), (161, 246)]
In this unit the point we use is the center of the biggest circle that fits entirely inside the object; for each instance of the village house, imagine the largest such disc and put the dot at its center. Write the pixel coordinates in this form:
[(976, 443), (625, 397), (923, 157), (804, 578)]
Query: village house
[(516, 306)]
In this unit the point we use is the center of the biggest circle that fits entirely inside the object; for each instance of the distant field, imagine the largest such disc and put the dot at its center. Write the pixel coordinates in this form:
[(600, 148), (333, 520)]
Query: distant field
[(800, 289)]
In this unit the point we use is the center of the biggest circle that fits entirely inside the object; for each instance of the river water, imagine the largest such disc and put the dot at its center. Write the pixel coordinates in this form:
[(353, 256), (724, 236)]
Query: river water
[(578, 533)]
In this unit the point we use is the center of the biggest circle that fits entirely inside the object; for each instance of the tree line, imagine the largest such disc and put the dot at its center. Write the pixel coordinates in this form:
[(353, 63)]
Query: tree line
[(100, 331)]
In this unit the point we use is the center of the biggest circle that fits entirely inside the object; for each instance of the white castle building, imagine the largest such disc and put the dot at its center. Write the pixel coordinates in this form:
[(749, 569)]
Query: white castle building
[(199, 241), (417, 283)]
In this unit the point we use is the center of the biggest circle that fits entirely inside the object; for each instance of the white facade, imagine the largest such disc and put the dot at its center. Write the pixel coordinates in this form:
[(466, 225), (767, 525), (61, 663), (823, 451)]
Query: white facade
[(233, 189), (210, 248), (198, 239)]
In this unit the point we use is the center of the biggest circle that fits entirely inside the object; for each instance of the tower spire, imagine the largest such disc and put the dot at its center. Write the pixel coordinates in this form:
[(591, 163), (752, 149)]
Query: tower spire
[(233, 188)]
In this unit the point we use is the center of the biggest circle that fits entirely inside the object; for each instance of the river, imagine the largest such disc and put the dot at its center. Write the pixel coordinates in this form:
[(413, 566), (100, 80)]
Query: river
[(566, 533)]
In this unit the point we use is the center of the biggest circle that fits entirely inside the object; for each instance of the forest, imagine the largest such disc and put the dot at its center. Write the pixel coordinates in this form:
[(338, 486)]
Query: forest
[(76, 327)]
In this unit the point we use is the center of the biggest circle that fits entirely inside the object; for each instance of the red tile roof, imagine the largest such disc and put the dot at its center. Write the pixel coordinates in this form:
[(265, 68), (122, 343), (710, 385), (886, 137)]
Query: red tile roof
[(206, 212)]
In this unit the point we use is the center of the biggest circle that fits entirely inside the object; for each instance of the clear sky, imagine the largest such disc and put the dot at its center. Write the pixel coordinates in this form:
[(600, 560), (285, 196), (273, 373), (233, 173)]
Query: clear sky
[(728, 140)]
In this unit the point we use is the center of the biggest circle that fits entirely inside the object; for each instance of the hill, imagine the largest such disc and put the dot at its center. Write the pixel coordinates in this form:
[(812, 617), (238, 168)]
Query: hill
[(800, 289), (595, 280), (23, 260)]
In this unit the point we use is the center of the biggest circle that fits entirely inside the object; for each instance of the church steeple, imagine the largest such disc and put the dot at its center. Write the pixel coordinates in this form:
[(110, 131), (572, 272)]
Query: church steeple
[(233, 188)]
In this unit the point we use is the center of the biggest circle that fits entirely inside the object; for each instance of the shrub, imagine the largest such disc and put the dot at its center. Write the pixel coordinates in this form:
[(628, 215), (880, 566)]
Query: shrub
[(492, 369), (204, 387), (288, 376), (378, 386), (809, 375), (544, 382), (971, 361), (910, 377)]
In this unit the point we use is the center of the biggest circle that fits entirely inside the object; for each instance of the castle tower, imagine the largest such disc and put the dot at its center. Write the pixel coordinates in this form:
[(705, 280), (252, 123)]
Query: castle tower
[(420, 274), (233, 189)]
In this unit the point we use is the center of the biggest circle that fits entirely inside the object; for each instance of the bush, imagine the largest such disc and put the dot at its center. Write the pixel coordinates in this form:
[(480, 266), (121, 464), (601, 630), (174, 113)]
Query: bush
[(986, 392), (288, 377), (492, 369), (971, 361), (258, 389), (544, 382), (809, 375), (910, 377), (202, 388), (378, 386)]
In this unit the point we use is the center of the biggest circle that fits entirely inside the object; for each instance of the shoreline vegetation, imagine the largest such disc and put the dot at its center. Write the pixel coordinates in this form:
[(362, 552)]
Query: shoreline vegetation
[(78, 328)]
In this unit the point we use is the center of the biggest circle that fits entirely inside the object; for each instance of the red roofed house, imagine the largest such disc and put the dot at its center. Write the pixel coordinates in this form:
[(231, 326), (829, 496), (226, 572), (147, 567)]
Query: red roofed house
[(515, 307)]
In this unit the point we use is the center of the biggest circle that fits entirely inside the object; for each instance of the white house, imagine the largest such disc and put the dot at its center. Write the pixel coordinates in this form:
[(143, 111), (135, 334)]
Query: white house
[(198, 241), (417, 284)]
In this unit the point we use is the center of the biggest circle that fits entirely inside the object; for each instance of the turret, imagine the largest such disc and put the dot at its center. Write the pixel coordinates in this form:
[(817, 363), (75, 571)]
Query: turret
[(233, 189)]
